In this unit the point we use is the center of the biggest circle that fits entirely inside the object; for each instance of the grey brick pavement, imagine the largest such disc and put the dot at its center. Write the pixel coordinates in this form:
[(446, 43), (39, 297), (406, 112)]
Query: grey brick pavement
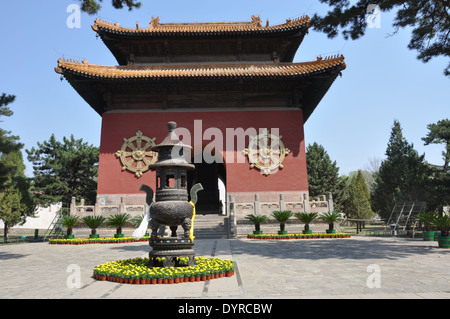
[(325, 268)]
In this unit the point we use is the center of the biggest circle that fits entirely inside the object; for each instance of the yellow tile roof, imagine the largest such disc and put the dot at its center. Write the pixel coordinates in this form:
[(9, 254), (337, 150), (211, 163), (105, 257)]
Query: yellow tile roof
[(156, 27), (246, 70)]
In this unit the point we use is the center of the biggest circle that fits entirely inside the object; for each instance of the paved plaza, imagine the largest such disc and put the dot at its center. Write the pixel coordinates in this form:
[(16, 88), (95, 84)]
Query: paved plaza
[(357, 267)]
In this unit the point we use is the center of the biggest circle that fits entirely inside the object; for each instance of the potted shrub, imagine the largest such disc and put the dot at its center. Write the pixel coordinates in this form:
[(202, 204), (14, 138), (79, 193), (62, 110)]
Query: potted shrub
[(330, 219), (257, 220), (427, 219), (442, 223), (282, 216), (118, 221), (306, 218), (93, 222), (69, 222)]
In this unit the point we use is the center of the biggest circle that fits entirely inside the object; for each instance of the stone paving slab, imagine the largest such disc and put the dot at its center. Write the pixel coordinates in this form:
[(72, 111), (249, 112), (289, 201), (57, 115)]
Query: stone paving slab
[(301, 269)]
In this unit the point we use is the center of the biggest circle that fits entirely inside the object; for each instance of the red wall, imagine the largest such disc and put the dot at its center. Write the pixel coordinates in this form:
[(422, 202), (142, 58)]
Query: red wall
[(240, 178)]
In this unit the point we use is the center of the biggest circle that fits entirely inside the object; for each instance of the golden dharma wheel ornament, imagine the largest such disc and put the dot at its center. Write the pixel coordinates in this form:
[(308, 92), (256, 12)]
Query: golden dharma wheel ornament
[(266, 152), (136, 154)]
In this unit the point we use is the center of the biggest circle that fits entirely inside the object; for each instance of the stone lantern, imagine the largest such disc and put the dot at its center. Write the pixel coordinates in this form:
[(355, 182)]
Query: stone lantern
[(171, 207)]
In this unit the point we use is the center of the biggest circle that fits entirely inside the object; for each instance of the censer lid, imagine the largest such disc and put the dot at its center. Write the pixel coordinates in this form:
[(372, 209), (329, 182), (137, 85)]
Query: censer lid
[(171, 151), (171, 138)]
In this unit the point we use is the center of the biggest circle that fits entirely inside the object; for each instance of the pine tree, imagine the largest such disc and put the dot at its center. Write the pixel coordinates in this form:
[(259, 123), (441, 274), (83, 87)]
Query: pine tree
[(93, 6), (428, 21), (8, 143), (439, 133), (357, 204), (402, 177), (64, 169), (323, 175), (16, 200)]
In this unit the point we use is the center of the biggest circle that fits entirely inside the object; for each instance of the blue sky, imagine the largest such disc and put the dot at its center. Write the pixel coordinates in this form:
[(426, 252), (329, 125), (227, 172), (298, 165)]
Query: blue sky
[(383, 80)]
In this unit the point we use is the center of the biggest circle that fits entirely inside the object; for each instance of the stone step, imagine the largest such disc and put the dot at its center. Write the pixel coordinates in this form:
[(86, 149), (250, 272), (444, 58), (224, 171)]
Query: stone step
[(210, 227)]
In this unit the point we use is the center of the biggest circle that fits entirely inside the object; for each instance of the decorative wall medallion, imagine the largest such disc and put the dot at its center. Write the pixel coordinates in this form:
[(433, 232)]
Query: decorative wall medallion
[(136, 154), (266, 152)]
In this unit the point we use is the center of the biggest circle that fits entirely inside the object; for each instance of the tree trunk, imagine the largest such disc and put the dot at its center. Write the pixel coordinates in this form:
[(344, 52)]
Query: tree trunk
[(5, 232), (330, 226), (282, 226)]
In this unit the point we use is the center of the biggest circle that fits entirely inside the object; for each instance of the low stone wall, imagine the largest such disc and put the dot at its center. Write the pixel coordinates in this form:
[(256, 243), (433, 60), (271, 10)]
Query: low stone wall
[(107, 210), (242, 204)]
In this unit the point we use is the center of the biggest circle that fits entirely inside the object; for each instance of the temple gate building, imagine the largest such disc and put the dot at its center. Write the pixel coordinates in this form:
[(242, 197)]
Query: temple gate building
[(228, 77)]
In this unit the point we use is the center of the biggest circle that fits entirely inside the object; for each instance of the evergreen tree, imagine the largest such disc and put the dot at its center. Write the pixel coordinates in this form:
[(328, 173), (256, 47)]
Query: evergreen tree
[(369, 177), (16, 200), (357, 204), (8, 143), (93, 6), (428, 21), (63, 170), (402, 176), (323, 175), (439, 133)]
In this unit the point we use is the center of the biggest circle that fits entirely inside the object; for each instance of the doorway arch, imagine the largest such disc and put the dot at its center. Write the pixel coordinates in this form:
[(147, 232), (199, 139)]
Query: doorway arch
[(211, 200)]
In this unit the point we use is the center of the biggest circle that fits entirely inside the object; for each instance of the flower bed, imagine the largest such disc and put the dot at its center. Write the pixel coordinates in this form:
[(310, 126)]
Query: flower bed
[(136, 271), (299, 236), (84, 241)]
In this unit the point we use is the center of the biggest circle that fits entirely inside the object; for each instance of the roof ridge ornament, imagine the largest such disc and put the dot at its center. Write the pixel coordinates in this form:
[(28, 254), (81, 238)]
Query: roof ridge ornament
[(154, 22), (256, 20)]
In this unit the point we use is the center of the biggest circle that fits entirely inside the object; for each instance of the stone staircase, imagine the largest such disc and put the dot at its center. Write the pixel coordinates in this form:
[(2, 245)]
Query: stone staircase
[(210, 226)]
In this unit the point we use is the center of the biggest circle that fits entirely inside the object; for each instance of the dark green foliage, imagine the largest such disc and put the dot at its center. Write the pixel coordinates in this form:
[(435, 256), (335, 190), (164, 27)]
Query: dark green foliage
[(442, 223), (357, 205), (6, 99), (427, 218), (428, 19), (63, 170), (439, 133), (306, 218), (8, 143), (93, 222), (403, 175), (16, 201), (331, 218), (118, 221), (257, 220), (69, 221), (323, 175), (93, 6), (282, 216)]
